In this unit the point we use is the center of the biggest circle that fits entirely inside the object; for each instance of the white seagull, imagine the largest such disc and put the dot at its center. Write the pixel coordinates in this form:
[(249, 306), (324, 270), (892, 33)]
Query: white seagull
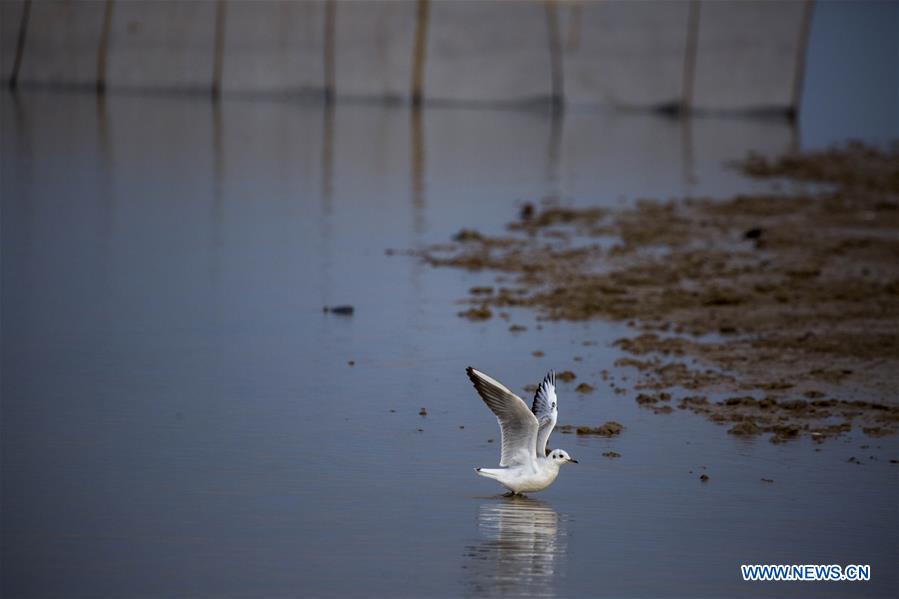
[(526, 468)]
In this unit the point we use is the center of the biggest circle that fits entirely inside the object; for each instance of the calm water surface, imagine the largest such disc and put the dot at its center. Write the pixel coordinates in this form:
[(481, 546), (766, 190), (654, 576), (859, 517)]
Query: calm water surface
[(179, 417)]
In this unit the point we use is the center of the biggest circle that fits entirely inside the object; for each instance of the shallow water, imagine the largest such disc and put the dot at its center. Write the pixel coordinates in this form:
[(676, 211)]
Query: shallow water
[(179, 417)]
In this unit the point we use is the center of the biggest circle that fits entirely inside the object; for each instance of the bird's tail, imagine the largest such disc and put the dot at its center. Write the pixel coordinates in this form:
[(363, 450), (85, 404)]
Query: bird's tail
[(488, 472)]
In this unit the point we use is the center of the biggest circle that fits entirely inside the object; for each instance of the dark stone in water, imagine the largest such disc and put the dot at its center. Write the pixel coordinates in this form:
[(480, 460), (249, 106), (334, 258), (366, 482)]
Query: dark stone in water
[(527, 211), (753, 233)]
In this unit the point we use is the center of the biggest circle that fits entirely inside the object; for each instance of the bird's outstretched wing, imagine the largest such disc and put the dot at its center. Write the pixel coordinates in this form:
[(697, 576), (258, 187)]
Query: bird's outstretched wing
[(517, 423), (546, 410)]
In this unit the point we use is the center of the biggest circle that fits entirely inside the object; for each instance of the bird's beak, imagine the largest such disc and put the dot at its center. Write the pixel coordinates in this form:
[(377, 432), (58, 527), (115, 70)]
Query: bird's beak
[(572, 460)]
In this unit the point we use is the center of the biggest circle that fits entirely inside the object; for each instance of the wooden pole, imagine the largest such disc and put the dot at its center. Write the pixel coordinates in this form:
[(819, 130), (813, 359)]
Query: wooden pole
[(330, 35), (20, 45), (690, 51), (419, 52), (103, 48), (555, 54), (799, 73), (218, 58)]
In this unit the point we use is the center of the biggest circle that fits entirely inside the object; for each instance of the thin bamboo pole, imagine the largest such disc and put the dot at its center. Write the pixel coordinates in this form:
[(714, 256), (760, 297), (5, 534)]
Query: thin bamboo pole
[(801, 48), (103, 47), (690, 51), (20, 45), (329, 51), (218, 58), (555, 54), (419, 51)]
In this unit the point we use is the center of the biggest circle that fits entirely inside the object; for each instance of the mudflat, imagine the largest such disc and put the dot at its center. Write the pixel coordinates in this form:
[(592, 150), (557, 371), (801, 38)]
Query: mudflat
[(788, 300)]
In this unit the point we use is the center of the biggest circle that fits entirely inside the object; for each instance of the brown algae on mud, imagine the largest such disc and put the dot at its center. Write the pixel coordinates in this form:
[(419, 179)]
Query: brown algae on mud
[(566, 376), (777, 297), (609, 429)]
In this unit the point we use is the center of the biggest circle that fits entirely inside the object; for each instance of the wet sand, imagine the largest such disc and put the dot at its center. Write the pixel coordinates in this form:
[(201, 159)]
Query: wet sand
[(787, 302)]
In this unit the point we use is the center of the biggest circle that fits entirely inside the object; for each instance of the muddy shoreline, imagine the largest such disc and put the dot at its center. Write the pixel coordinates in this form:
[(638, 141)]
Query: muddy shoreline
[(788, 300)]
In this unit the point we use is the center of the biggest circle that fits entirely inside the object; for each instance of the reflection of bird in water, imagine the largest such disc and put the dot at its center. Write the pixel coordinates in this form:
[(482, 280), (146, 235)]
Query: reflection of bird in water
[(521, 549)]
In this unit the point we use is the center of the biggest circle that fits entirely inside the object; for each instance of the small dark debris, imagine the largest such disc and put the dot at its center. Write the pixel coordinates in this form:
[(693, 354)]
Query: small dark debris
[(704, 477), (423, 412), (795, 404), (468, 235), (481, 290), (611, 454), (342, 310)]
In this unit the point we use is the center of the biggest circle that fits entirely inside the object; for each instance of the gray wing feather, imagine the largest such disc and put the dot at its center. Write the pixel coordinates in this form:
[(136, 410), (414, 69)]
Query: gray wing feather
[(517, 423), (546, 410)]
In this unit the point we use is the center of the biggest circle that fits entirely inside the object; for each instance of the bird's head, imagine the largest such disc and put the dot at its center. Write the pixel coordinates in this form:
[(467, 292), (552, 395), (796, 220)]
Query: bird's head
[(560, 456)]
